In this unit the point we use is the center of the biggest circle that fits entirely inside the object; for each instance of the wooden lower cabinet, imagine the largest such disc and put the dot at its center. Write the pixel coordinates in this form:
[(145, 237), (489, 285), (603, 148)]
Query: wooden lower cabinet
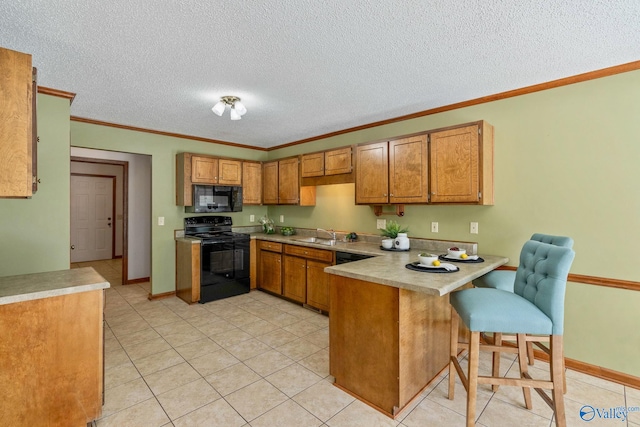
[(386, 344), (305, 277), (295, 272), (52, 360), (188, 271), (270, 268), (318, 285), (295, 278)]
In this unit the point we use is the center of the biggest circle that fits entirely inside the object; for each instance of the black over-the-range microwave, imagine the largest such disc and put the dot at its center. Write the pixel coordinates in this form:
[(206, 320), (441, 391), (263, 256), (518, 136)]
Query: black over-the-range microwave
[(215, 198)]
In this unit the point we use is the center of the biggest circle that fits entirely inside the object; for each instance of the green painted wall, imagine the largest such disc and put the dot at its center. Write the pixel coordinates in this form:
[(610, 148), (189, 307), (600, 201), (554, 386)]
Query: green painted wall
[(162, 150), (566, 162), (35, 233)]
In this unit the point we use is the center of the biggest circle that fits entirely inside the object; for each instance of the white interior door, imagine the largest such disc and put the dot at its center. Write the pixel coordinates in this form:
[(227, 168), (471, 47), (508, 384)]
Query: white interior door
[(91, 218)]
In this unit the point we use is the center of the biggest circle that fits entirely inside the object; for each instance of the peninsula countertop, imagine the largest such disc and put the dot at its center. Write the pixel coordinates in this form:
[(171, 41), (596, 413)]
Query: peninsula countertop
[(27, 287), (388, 267)]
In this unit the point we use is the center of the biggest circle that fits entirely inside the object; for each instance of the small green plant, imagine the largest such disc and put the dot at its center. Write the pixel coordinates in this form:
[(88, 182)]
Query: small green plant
[(392, 229)]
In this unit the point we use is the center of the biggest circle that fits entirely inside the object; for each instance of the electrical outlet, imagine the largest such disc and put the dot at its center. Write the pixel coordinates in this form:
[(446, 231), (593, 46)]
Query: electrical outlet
[(252, 218), (160, 220), (381, 224), (434, 227), (281, 218), (473, 228)]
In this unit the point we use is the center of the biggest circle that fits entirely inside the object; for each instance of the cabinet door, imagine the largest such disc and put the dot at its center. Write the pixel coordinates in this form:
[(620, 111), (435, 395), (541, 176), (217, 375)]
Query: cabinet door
[(16, 155), (288, 182), (271, 272), (337, 161), (251, 183), (295, 278), (454, 166), (312, 165), (408, 170), (230, 172), (270, 183), (317, 285), (372, 173), (204, 170)]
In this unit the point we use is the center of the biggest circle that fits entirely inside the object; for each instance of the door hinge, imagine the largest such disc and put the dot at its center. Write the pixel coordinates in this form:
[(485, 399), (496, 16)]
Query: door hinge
[(479, 194), (428, 138), (480, 131)]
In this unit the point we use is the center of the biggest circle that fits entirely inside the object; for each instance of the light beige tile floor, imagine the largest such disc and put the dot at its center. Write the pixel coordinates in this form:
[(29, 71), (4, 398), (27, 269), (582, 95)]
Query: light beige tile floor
[(256, 360)]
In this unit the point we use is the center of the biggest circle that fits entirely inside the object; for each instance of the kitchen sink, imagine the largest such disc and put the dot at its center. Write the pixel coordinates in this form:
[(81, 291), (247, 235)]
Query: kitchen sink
[(317, 241)]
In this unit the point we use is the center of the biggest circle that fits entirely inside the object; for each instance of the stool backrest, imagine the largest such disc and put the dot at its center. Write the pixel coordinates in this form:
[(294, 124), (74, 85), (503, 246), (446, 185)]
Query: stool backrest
[(541, 278), (567, 242)]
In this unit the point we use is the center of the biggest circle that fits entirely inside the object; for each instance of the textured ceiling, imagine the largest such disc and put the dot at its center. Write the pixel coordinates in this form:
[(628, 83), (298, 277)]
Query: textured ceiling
[(305, 67)]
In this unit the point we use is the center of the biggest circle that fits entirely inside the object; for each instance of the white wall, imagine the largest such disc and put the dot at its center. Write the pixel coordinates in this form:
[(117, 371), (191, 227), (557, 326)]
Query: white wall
[(139, 223)]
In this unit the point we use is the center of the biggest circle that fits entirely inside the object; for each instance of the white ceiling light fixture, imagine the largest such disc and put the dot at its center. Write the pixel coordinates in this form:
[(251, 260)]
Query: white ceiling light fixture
[(237, 108)]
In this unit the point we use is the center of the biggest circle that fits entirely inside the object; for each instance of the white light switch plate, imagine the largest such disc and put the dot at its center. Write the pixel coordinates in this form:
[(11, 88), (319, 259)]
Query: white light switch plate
[(252, 218), (434, 227), (281, 218), (473, 228), (381, 224), (160, 220)]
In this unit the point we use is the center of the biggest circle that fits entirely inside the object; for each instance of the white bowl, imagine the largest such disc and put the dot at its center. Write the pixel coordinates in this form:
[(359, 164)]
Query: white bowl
[(387, 243), (456, 254), (427, 259)]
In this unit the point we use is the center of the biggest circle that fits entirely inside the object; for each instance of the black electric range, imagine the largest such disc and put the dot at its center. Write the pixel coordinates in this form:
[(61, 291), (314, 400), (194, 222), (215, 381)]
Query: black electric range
[(224, 257)]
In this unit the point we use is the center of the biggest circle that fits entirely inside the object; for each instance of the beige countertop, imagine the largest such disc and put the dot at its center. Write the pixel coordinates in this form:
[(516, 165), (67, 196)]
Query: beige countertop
[(27, 287), (388, 267)]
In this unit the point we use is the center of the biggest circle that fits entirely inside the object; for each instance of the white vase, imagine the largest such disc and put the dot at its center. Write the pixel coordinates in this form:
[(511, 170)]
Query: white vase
[(402, 242)]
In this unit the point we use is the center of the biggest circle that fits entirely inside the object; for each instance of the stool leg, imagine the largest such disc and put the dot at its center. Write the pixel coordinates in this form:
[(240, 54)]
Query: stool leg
[(472, 377), (497, 340), (522, 360), (557, 365), (453, 352), (530, 354)]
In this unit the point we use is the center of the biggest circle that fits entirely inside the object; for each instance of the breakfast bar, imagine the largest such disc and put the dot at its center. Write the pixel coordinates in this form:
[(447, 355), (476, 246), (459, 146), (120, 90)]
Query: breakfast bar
[(389, 326)]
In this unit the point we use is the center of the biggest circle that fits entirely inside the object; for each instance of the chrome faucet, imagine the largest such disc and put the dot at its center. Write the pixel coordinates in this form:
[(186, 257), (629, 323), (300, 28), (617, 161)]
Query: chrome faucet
[(329, 232)]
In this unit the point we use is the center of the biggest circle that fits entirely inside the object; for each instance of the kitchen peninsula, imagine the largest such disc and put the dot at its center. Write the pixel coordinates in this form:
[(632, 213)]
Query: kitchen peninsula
[(51, 347), (388, 325)]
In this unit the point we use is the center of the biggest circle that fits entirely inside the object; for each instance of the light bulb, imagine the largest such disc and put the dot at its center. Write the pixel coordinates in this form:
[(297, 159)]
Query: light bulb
[(240, 108), (235, 115), (218, 109)]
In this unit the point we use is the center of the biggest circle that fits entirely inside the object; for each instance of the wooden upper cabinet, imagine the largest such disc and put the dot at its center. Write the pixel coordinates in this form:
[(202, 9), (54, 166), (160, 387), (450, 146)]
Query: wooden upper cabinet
[(204, 170), (312, 165), (288, 181), (408, 170), (337, 161), (16, 124), (461, 165), (372, 173), (331, 162), (270, 183), (251, 183), (229, 172)]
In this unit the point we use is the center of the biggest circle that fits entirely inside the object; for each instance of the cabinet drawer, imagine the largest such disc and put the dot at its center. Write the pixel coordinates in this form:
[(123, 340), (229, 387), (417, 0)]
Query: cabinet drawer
[(270, 246), (310, 253)]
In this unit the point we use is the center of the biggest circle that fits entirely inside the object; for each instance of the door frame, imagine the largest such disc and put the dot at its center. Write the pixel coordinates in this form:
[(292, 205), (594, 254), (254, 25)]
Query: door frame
[(125, 208), (113, 208)]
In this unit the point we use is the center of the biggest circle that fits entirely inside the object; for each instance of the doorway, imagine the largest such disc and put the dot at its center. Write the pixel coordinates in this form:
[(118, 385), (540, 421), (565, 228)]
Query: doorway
[(92, 217), (133, 218)]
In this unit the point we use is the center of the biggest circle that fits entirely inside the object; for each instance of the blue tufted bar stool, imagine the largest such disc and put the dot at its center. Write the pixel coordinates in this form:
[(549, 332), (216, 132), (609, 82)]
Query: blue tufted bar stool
[(536, 307), (504, 279)]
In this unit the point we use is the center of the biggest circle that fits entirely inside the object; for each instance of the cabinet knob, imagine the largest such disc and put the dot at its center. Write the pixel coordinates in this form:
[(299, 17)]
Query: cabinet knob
[(391, 194)]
